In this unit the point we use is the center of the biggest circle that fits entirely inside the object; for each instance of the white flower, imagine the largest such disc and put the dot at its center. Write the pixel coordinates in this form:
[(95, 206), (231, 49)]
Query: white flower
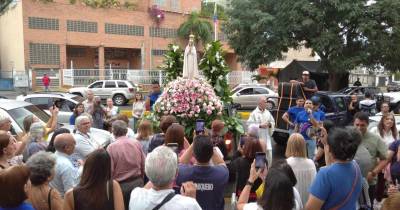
[(208, 46), (175, 47), (220, 77)]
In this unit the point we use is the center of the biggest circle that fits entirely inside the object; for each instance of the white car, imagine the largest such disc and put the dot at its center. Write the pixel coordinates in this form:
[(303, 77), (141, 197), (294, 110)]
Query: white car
[(248, 95), (65, 102), (121, 91), (394, 101), (18, 110)]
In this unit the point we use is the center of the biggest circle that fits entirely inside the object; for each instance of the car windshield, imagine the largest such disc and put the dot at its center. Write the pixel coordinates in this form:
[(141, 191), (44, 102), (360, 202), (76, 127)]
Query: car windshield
[(346, 90), (79, 99), (20, 113)]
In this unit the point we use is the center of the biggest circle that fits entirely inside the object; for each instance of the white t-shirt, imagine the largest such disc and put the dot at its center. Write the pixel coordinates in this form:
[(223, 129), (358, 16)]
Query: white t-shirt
[(297, 200), (305, 171), (143, 199)]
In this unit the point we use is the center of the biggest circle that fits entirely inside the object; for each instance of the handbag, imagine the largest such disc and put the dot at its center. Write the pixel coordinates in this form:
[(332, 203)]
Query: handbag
[(337, 207)]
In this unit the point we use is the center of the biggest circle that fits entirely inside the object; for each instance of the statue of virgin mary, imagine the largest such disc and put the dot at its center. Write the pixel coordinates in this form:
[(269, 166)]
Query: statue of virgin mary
[(190, 66)]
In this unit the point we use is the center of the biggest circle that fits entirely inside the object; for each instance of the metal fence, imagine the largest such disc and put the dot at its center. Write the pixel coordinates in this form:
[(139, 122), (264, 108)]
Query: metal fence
[(83, 77)]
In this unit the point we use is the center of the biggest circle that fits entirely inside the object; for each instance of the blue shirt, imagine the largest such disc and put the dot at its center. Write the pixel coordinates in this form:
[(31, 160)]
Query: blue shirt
[(153, 98), (72, 119), (211, 182), (66, 176), (395, 165), (333, 184), (23, 206), (293, 111)]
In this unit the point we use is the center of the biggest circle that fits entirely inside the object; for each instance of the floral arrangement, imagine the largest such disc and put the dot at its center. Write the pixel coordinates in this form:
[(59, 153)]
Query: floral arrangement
[(157, 14), (173, 62), (189, 100)]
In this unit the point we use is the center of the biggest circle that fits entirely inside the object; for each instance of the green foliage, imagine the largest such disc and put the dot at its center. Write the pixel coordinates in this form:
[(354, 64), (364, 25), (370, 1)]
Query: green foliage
[(344, 34), (173, 62), (200, 28), (130, 5), (102, 3), (72, 1), (46, 1), (215, 69), (207, 11)]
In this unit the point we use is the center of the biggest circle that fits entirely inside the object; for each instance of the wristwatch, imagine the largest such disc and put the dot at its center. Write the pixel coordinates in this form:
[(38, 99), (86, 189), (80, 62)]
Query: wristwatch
[(249, 183)]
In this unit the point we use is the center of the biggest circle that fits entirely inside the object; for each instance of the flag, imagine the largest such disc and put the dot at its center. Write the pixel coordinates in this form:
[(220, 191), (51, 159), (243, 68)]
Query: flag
[(215, 20)]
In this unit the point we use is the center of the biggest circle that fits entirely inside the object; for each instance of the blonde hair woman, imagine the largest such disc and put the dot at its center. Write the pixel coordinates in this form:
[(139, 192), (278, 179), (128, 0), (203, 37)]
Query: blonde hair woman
[(303, 168)]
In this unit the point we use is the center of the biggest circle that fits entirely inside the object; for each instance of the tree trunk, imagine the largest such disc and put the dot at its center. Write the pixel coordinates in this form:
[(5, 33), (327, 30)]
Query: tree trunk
[(338, 80)]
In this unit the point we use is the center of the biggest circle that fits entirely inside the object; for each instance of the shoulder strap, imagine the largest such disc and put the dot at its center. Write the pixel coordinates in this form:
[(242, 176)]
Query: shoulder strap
[(49, 198), (110, 194), (166, 199), (351, 191)]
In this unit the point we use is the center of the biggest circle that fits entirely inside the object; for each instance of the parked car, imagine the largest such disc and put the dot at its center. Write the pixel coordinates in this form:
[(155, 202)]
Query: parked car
[(394, 101), (335, 105), (64, 101), (121, 91), (376, 93), (18, 110), (393, 87), (248, 95)]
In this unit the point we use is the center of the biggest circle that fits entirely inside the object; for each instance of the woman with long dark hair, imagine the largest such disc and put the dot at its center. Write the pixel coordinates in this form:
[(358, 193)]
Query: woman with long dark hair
[(241, 165), (78, 110), (96, 190), (386, 129)]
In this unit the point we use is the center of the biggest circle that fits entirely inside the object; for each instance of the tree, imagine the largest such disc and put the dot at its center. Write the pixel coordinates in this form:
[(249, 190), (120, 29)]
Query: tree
[(173, 62), (215, 69), (344, 33), (200, 28)]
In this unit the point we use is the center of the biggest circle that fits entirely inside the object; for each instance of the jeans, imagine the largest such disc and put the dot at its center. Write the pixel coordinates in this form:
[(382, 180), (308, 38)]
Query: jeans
[(46, 88), (311, 146)]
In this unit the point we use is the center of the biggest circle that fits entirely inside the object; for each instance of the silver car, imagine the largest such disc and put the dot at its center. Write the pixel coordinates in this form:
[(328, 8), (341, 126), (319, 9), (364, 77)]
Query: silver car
[(65, 102), (121, 91), (18, 110), (248, 95)]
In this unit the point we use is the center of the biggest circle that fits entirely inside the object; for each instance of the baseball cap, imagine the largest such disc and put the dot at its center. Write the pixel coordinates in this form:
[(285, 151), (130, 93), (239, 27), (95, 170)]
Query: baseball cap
[(306, 73)]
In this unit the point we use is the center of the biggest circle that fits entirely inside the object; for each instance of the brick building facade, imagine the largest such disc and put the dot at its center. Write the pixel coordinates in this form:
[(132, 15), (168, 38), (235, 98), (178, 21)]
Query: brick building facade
[(60, 35)]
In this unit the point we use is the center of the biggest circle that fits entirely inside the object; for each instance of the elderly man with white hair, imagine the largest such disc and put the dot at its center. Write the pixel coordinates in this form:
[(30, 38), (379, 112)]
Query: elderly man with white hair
[(85, 144), (5, 123), (266, 123), (161, 168)]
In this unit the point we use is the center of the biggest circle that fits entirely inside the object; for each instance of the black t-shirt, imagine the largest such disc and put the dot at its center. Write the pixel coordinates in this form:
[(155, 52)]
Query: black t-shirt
[(309, 84)]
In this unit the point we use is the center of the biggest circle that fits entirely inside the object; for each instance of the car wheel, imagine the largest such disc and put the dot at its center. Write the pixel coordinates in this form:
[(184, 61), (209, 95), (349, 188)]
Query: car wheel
[(119, 100)]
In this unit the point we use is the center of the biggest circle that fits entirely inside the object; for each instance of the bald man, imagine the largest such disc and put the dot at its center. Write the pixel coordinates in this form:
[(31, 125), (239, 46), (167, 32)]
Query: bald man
[(266, 123), (66, 175)]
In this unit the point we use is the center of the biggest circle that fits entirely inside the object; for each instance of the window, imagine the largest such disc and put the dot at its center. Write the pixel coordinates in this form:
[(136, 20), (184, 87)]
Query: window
[(175, 5), (122, 85), (97, 85), (327, 103), (19, 114), (160, 2), (120, 29), (163, 32), (43, 23), (157, 52), (340, 103), (81, 26), (260, 91), (110, 85), (247, 91), (41, 102), (44, 53)]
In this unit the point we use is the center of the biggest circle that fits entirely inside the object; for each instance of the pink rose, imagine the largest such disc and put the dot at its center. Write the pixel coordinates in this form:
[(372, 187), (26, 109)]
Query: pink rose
[(209, 112)]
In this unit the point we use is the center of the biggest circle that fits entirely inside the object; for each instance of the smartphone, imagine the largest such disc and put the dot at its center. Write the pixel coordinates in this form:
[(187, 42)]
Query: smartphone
[(261, 160), (200, 124), (242, 140), (173, 146)]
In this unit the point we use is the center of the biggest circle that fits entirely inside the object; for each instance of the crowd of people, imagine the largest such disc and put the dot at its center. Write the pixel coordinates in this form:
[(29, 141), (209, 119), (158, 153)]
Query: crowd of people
[(326, 166)]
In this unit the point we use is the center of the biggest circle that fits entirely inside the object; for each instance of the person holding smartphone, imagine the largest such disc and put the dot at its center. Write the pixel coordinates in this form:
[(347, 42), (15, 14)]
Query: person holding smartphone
[(266, 123), (211, 180)]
